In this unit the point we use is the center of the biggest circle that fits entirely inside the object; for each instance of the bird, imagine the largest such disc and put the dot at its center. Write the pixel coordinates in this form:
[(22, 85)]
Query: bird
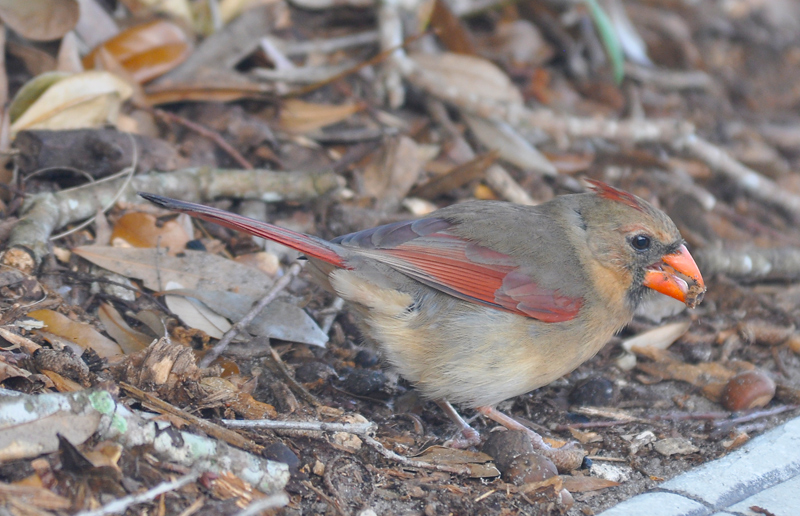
[(483, 301)]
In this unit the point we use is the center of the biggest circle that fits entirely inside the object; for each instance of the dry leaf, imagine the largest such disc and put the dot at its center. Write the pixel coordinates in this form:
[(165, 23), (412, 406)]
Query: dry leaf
[(456, 177), (451, 30), (479, 464), (193, 270), (62, 383), (469, 75), (62, 101), (78, 333), (40, 20), (511, 146), (145, 51), (585, 484), (34, 496), (128, 339), (196, 315), (279, 320), (298, 116), (142, 230), (391, 175)]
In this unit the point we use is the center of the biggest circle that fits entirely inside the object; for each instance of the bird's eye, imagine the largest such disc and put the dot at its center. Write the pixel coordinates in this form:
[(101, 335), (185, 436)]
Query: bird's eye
[(640, 242)]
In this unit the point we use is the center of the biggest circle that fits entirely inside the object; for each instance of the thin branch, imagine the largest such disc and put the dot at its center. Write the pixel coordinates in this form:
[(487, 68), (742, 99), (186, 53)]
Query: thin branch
[(122, 504), (245, 321)]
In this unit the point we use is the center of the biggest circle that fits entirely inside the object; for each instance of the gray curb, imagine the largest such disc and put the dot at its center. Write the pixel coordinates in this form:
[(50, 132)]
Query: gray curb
[(764, 472)]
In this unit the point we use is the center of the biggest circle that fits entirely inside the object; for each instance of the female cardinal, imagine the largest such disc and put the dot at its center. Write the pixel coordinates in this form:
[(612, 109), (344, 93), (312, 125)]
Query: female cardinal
[(483, 301)]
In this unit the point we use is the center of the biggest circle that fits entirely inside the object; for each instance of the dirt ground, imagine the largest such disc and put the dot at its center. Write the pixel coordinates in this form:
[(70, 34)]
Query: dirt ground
[(709, 132)]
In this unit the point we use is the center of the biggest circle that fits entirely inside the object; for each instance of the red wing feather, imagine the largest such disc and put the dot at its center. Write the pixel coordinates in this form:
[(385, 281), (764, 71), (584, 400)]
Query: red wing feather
[(478, 274)]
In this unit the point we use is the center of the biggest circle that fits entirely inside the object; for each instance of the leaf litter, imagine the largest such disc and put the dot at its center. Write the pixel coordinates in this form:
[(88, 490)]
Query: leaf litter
[(470, 115)]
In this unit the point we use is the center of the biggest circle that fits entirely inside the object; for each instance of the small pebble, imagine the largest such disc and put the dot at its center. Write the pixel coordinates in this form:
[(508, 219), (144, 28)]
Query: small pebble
[(675, 446), (595, 391)]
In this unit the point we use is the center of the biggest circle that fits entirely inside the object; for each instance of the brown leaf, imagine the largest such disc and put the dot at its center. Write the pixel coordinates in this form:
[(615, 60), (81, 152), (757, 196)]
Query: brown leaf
[(145, 51), (479, 464), (142, 230), (450, 29), (193, 270), (456, 177), (128, 339), (78, 333), (298, 116), (40, 20), (585, 484)]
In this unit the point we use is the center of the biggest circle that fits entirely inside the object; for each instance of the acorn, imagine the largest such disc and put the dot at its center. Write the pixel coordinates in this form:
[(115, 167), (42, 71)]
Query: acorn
[(747, 390), (529, 467)]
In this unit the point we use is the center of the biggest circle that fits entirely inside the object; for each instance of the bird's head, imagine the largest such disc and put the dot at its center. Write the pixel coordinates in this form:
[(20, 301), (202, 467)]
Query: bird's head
[(630, 236)]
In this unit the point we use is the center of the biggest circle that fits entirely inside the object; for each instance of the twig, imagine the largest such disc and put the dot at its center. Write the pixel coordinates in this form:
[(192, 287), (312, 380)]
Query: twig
[(245, 321), (296, 387), (389, 454), (262, 504), (330, 314), (122, 504), (206, 426), (756, 415), (319, 492), (206, 132), (757, 185), (382, 56), (362, 430), (320, 426)]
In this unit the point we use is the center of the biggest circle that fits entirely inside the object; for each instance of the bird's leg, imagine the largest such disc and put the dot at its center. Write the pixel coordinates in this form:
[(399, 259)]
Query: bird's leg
[(566, 458), (470, 436)]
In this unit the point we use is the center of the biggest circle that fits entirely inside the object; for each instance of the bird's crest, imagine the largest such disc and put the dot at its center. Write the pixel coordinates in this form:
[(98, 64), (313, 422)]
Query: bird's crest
[(613, 194)]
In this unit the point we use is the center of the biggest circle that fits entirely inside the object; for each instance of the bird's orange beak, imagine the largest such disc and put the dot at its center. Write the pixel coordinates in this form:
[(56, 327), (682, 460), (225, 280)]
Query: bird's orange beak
[(665, 277)]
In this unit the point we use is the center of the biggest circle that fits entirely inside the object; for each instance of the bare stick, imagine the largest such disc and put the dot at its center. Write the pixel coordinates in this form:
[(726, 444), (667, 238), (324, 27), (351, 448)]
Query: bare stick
[(242, 324), (258, 506), (122, 504), (212, 429), (320, 426), (206, 132)]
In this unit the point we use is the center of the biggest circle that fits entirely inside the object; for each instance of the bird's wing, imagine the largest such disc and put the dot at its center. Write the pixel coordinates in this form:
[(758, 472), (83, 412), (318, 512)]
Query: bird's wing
[(428, 252)]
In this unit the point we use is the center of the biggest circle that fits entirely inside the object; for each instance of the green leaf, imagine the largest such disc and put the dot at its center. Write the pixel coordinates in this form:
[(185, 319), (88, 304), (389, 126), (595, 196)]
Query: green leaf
[(609, 37)]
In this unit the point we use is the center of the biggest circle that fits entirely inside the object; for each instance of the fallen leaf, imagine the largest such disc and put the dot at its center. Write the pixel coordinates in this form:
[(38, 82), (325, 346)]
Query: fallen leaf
[(298, 116), (142, 230), (586, 484), (479, 464), (78, 333), (145, 51), (193, 270), (58, 101), (279, 320), (128, 339), (196, 315), (40, 20), (510, 145), (456, 177), (62, 383), (469, 75)]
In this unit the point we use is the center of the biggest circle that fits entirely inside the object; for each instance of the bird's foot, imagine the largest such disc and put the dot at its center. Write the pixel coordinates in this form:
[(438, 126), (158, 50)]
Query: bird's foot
[(469, 436), (566, 458)]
